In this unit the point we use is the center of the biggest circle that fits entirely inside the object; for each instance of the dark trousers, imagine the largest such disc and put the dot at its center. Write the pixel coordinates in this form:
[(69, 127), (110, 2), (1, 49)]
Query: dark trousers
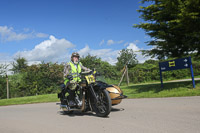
[(71, 92)]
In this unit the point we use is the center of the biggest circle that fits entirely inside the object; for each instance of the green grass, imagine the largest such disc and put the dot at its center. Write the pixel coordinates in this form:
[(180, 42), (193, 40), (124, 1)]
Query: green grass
[(30, 99), (145, 90), (176, 89)]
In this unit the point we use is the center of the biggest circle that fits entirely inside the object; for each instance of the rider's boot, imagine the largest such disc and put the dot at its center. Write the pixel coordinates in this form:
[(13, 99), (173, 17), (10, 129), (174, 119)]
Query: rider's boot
[(62, 96), (71, 98)]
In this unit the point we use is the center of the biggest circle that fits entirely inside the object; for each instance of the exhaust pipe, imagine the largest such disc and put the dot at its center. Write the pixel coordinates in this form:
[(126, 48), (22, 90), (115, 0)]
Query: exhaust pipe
[(83, 102), (65, 107)]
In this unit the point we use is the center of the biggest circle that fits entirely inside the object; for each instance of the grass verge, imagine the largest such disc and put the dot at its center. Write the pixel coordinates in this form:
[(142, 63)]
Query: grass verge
[(173, 89), (30, 99)]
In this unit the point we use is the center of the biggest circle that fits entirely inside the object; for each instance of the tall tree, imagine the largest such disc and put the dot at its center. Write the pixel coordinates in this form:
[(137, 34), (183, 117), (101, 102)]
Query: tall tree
[(173, 26), (19, 64), (126, 56), (3, 72), (3, 69)]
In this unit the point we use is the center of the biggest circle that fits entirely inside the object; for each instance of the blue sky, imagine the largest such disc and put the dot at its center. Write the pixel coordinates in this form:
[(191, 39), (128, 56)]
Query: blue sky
[(50, 30)]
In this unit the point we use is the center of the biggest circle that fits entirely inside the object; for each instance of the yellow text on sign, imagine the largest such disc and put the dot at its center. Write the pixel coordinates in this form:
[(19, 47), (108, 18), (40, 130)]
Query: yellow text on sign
[(171, 63), (90, 79)]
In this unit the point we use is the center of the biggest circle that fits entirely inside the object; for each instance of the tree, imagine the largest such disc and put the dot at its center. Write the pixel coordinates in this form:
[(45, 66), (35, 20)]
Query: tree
[(37, 79), (19, 64), (2, 87), (103, 67), (90, 61), (3, 69), (126, 56), (173, 26)]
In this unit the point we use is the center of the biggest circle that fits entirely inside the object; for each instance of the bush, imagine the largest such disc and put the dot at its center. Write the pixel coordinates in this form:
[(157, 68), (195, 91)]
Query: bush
[(3, 89)]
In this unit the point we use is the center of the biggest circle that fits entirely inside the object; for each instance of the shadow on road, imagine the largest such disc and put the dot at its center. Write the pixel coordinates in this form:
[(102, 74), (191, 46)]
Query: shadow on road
[(78, 113), (117, 109), (89, 113)]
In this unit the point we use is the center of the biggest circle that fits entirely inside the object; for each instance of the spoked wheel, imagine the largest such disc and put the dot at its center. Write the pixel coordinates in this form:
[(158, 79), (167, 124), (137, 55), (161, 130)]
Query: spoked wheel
[(103, 106)]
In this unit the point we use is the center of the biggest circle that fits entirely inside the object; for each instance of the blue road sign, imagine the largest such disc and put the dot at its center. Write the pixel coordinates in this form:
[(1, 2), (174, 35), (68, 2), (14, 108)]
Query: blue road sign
[(176, 64)]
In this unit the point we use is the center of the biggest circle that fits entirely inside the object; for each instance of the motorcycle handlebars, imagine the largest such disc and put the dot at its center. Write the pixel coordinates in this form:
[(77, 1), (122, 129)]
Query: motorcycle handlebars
[(70, 77), (90, 72)]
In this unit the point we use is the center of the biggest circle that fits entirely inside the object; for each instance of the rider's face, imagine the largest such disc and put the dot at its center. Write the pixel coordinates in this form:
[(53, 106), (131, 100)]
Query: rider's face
[(75, 59)]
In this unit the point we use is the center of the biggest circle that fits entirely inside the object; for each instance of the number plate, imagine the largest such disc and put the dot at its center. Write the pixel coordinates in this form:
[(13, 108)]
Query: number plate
[(90, 79)]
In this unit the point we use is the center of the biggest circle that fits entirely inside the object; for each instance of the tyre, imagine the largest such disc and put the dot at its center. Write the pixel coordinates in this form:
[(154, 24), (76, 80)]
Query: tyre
[(103, 107)]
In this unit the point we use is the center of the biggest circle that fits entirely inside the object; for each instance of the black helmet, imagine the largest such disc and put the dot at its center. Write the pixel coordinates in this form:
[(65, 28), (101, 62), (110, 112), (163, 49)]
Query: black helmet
[(75, 54)]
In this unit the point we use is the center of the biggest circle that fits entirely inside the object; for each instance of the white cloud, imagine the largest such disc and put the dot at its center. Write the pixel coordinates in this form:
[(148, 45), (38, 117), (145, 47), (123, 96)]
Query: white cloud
[(119, 42), (26, 29), (126, 44), (8, 34), (111, 55), (136, 41), (110, 42), (33, 63), (59, 50), (84, 51), (41, 35), (133, 47), (139, 55), (5, 57), (102, 42), (49, 50), (108, 55)]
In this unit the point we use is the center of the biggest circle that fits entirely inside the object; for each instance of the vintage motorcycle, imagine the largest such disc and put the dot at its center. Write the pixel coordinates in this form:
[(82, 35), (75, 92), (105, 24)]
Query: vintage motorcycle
[(92, 95)]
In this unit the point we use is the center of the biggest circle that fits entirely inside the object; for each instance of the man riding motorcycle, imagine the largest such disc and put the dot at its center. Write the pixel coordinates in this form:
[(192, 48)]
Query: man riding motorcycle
[(72, 72)]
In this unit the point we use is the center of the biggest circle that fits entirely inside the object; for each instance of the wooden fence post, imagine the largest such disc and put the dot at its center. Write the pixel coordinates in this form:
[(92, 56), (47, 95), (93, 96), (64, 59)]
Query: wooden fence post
[(7, 86), (127, 77)]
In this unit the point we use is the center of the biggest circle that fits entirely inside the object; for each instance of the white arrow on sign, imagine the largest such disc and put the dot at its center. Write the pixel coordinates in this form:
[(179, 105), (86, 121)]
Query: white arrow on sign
[(185, 60), (186, 65)]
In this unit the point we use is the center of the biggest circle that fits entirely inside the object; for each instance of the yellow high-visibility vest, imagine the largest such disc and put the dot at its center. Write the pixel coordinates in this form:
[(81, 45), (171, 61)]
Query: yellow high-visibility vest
[(75, 72)]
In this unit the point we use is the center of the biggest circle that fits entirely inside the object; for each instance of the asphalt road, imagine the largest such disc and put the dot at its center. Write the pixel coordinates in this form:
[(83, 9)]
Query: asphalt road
[(155, 115)]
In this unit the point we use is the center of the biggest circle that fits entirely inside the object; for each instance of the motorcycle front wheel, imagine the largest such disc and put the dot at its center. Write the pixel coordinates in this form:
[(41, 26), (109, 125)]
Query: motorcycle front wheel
[(102, 107)]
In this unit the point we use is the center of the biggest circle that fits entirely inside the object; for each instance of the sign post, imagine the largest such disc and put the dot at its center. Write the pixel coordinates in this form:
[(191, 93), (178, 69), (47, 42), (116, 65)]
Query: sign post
[(192, 74), (176, 64), (161, 80)]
